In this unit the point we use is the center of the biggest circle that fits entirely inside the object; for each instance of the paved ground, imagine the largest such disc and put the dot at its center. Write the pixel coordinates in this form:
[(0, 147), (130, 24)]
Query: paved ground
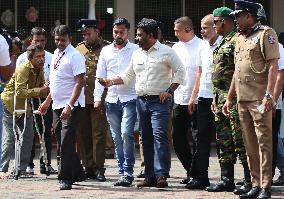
[(41, 187)]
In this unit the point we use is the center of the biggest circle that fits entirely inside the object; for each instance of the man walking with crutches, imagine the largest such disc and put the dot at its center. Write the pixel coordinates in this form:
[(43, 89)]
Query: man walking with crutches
[(26, 82)]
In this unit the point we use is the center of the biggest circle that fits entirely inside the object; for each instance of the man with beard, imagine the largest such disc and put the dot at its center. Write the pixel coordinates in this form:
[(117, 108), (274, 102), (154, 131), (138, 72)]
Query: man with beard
[(203, 91), (152, 65), (256, 64), (26, 82), (92, 130), (66, 83), (120, 101)]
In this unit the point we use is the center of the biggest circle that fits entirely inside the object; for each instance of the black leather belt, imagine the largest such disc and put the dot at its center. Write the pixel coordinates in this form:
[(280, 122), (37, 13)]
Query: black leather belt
[(149, 97)]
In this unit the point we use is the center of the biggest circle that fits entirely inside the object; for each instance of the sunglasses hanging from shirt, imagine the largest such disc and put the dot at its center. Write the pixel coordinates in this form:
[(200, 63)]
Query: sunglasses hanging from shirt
[(57, 60)]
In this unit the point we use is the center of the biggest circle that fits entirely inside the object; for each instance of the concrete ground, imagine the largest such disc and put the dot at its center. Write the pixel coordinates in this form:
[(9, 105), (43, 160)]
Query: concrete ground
[(41, 186)]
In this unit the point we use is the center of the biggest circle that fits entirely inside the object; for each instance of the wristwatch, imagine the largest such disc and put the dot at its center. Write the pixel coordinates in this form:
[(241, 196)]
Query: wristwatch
[(170, 91), (268, 96), (72, 107)]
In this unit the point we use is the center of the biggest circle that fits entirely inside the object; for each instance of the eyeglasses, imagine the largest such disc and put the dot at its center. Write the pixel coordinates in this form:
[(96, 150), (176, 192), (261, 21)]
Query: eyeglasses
[(215, 21)]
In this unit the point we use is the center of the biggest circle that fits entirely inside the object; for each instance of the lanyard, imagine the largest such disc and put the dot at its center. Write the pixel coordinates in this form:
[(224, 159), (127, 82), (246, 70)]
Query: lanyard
[(56, 63)]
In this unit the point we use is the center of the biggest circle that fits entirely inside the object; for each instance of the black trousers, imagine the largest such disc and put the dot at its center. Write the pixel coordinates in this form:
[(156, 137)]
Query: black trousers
[(70, 167), (183, 124), (276, 121), (47, 133), (202, 138)]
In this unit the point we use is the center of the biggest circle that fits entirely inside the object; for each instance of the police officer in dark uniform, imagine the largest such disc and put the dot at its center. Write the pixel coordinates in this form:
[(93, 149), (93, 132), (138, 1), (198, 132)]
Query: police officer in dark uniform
[(93, 124), (256, 65)]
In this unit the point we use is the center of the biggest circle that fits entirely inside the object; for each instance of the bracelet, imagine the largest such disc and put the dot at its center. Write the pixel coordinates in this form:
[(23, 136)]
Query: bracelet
[(72, 107)]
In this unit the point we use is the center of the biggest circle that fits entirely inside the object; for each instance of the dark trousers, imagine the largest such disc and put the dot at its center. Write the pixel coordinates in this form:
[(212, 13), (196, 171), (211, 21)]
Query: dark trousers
[(70, 167), (182, 124), (276, 120), (202, 138), (47, 133)]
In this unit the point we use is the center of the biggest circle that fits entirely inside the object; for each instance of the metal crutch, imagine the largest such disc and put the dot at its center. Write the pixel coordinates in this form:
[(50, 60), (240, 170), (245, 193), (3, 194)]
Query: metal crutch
[(18, 134), (43, 153)]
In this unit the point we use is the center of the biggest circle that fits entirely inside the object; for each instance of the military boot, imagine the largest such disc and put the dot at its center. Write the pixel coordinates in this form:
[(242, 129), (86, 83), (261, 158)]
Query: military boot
[(227, 179), (246, 187)]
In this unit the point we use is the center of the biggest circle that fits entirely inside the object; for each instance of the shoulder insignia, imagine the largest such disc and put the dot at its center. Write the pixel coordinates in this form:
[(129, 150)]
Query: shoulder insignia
[(81, 43), (271, 39)]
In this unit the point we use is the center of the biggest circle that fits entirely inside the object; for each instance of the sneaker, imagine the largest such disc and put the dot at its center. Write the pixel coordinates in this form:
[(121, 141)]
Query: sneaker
[(30, 170), (51, 170), (124, 181), (141, 174), (279, 181)]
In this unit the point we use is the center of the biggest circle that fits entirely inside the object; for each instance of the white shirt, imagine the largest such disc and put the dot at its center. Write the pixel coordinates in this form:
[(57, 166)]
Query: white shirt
[(187, 53), (4, 52), (205, 61), (154, 70), (64, 67), (47, 61), (113, 62)]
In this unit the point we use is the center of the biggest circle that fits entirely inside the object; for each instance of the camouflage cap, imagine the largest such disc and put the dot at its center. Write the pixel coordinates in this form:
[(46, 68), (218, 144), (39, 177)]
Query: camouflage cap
[(222, 12)]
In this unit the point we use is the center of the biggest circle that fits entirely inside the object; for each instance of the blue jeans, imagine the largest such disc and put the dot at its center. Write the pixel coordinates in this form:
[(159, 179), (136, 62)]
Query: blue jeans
[(121, 118), (280, 156), (8, 141), (153, 117)]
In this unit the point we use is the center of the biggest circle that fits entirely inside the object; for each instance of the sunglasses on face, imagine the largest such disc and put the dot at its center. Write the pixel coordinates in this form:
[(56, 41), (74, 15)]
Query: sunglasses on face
[(215, 21)]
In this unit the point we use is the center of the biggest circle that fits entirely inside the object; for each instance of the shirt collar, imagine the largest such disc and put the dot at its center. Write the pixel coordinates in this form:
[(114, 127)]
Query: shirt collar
[(127, 46), (190, 41)]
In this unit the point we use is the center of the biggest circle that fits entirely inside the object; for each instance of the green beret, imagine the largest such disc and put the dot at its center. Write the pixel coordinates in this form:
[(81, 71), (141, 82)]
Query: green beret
[(222, 12)]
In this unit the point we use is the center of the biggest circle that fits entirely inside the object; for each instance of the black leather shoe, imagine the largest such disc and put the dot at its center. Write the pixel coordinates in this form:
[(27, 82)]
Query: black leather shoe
[(253, 193), (101, 177), (65, 185), (221, 186), (185, 180), (265, 193), (243, 189), (197, 184)]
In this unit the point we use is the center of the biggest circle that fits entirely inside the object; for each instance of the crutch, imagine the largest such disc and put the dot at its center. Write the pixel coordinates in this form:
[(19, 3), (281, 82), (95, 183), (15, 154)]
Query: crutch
[(18, 134), (43, 153)]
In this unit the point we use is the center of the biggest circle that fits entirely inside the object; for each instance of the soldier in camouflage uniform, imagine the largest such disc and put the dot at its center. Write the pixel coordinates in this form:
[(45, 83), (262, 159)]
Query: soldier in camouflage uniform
[(93, 124), (228, 131)]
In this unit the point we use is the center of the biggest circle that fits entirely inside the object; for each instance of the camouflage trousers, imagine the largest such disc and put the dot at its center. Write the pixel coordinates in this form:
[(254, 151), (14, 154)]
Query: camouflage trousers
[(229, 137)]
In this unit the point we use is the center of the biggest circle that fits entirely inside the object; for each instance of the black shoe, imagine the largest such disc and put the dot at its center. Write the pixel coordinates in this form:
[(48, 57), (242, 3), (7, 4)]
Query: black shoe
[(80, 178), (124, 181), (265, 193), (162, 182), (253, 193), (101, 177), (241, 183), (185, 180), (147, 182), (243, 189), (51, 170), (65, 185), (197, 184), (141, 174), (90, 175), (221, 186), (279, 181)]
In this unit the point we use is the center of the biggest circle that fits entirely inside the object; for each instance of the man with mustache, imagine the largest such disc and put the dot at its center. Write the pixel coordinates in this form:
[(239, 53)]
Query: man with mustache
[(67, 79), (26, 82), (120, 102)]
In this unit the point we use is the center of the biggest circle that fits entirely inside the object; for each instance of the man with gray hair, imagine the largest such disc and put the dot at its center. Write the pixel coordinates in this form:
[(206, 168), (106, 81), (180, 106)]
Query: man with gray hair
[(26, 82)]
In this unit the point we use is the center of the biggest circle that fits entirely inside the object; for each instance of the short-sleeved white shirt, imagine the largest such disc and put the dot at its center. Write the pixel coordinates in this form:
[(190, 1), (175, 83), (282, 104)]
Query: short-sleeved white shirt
[(4, 52), (280, 67), (187, 53), (64, 67), (205, 61), (47, 61)]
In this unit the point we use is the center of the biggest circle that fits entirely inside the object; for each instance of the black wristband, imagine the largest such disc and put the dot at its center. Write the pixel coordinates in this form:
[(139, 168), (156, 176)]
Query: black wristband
[(170, 91)]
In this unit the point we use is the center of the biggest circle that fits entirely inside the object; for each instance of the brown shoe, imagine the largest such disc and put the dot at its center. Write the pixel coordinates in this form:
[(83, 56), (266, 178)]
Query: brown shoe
[(162, 182), (147, 182)]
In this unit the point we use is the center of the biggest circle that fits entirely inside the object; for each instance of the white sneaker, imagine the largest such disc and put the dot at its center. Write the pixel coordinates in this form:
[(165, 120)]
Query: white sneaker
[(30, 170)]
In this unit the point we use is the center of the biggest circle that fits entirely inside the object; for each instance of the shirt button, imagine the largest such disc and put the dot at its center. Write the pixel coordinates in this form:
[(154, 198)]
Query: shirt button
[(87, 76)]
